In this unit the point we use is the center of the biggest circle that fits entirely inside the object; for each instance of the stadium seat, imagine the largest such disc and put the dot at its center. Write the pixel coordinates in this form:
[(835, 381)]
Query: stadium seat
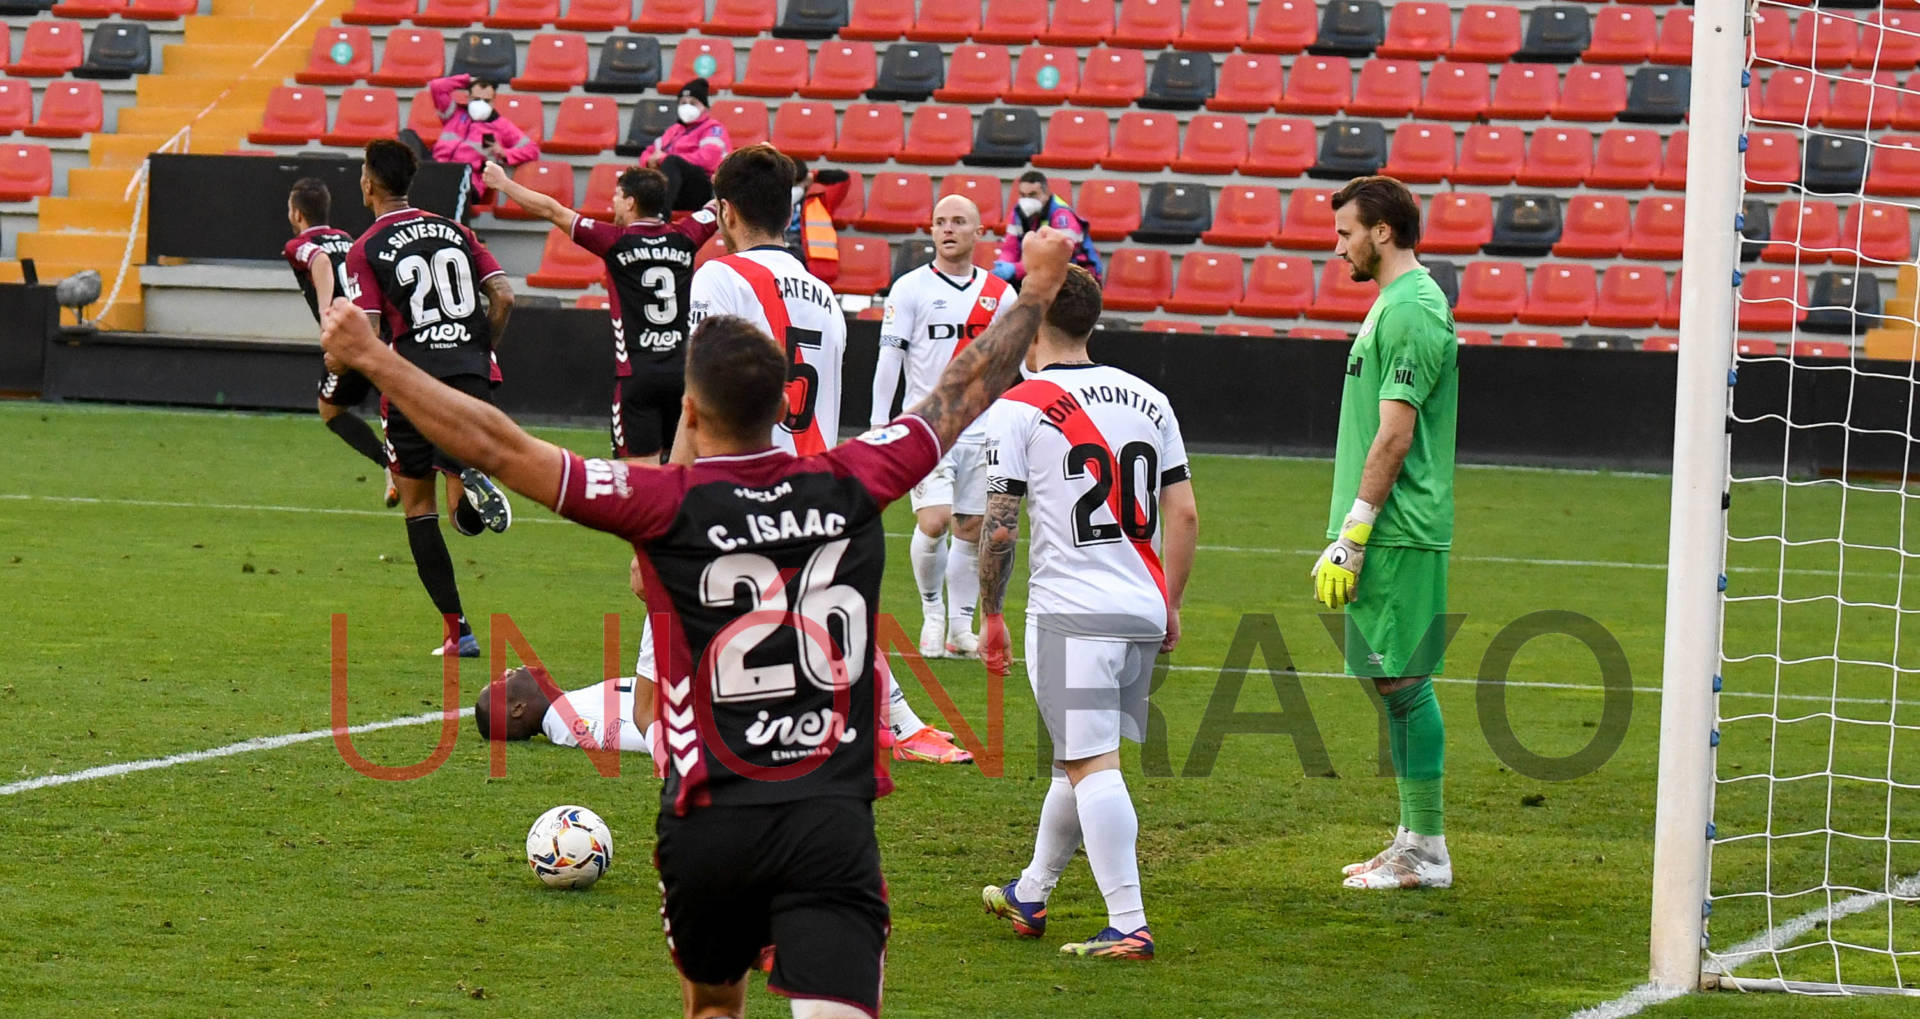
[(51, 48), (694, 53), (1170, 325), (424, 120), (1340, 299), (1490, 155), (1593, 93), (1803, 231), (1112, 77), (368, 113), (864, 266), (741, 17), (26, 172), (548, 177), (937, 135), (1146, 24), (1894, 168), (869, 133), (1318, 85), (1876, 232), (1214, 25), (1210, 282), (1138, 279), (161, 10), (1110, 207), (592, 302), (879, 20), (1895, 45), (595, 15), (1084, 23), (1280, 147), (451, 13), (413, 57), (295, 115), (1350, 148), (1248, 83), (812, 19), (1837, 165), (1143, 142), (1860, 101), (528, 112), (1658, 95), (1525, 92), (1770, 33), (1045, 76), (565, 265), (1659, 227), (854, 205), (1446, 276), (938, 22), (1013, 22), (1458, 223), (330, 43), (1387, 88), (910, 254), (68, 109), (1675, 44), (1771, 300), (1244, 329), (898, 202), (976, 74), (983, 189), (1772, 160), (1525, 225), (1622, 35), (745, 120), (668, 17), (588, 125), (1421, 153), (556, 62), (1660, 344), (1312, 333), (1631, 297), (1248, 217), (1455, 91), (1005, 136), (1532, 339), (1558, 157), (1493, 292), (1278, 286), (380, 12), (489, 55), (1790, 96), (1213, 144), (120, 49), (1179, 81), (1487, 34), (628, 63), (1174, 214), (1308, 225), (841, 70), (1417, 31), (1076, 139), (1746, 345), (1284, 26), (1562, 295), (1556, 34), (523, 14), (778, 67), (1823, 40), (1755, 223), (1845, 302), (1597, 226), (803, 130), (1350, 28), (1627, 158), (16, 106), (88, 8), (1673, 168), (909, 72)]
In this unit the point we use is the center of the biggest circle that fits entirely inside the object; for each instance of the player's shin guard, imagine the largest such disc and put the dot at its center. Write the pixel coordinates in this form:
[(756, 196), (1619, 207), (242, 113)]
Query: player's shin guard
[(435, 566), (963, 586), (900, 715), (1423, 768), (358, 434), (1110, 828), (927, 556), (1054, 843)]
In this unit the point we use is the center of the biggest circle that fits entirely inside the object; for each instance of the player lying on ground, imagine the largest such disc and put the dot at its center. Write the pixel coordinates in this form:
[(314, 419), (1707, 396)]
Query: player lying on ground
[(766, 823)]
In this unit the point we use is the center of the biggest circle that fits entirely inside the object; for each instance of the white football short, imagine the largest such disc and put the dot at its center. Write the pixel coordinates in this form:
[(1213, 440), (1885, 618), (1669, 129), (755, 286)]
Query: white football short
[(959, 481), (1090, 690)]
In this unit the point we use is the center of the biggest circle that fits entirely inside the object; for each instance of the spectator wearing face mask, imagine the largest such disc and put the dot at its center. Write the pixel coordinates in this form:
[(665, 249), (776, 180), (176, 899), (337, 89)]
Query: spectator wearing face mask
[(473, 132), (1038, 207), (689, 151), (810, 233)]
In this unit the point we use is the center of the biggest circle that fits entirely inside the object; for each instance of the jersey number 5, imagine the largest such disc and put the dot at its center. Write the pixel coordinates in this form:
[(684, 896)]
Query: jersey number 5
[(1137, 460), (803, 382)]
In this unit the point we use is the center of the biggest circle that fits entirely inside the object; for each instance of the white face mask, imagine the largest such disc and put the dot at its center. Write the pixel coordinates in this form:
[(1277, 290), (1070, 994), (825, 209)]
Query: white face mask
[(689, 113), (480, 109), (798, 193), (1030, 206)]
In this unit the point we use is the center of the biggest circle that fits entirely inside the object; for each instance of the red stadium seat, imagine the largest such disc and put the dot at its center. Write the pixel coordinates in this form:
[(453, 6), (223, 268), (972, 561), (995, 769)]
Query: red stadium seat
[(1771, 300), (1823, 40), (528, 113), (1281, 147), (52, 48), (668, 17), (1209, 283), (1532, 339), (1592, 93), (871, 133), (1660, 344), (1169, 325), (586, 125), (741, 17), (1803, 231), (1015, 22), (556, 62), (938, 135), (745, 120), (854, 205), (842, 70), (1138, 279), (878, 20), (592, 302), (1631, 297), (1488, 34), (898, 203), (1286, 26), (68, 109), (1558, 157), (1340, 298), (778, 67), (1771, 34), (1906, 108), (1491, 292), (1525, 92), (866, 266), (1248, 83), (983, 189), (369, 113), (451, 13), (1456, 91), (1110, 207), (1243, 329), (1790, 96), (1278, 286), (413, 57), (295, 115), (1675, 44), (1247, 217), (1562, 295), (1474, 337), (523, 14), (804, 130), (1318, 85), (1045, 76), (1076, 139), (1113, 77), (1490, 155), (1750, 347), (938, 22), (602, 181), (1673, 169), (323, 69), (380, 12), (1597, 226), (548, 177), (1417, 31), (595, 15), (685, 67), (1772, 160), (1627, 158), (1421, 153), (565, 265), (1863, 101), (1215, 25), (1894, 166), (1082, 23), (26, 172), (1876, 232), (1311, 333), (1458, 223), (976, 74), (1213, 144), (1147, 24), (1897, 45), (1308, 225), (16, 106), (1622, 35), (422, 119), (1387, 88), (1659, 229)]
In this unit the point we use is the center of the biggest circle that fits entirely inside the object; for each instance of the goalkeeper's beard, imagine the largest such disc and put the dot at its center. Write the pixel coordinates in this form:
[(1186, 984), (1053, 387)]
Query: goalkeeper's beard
[(1363, 265)]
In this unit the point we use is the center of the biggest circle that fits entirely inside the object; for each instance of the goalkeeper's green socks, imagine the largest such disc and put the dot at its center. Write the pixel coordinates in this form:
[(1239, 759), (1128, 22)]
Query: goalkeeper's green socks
[(1417, 738)]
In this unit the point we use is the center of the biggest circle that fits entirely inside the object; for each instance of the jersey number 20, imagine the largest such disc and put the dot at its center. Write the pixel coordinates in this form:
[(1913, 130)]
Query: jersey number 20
[(1135, 460), (447, 280)]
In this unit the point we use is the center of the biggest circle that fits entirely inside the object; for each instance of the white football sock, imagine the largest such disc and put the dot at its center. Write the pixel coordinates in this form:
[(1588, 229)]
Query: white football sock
[(1053, 845), (963, 584), (928, 557), (900, 716), (1110, 827)]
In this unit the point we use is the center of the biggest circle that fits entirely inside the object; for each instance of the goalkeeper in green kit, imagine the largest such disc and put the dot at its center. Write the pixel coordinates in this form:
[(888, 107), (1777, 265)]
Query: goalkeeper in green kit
[(1391, 520)]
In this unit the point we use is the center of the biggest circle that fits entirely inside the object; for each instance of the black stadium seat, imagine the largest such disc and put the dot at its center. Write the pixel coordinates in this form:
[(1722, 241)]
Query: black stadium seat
[(26, 8), (1446, 275), (1845, 301), (1525, 225), (1756, 227), (1350, 28), (909, 255), (487, 55), (121, 49), (1659, 95), (1180, 81), (1005, 136), (1599, 341), (1175, 214), (909, 72), (1556, 35), (651, 118), (1834, 164), (812, 19), (1351, 148), (628, 63)]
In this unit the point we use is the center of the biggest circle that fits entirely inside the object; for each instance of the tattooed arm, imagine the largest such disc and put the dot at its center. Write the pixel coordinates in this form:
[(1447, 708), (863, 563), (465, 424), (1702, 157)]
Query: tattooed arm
[(999, 534)]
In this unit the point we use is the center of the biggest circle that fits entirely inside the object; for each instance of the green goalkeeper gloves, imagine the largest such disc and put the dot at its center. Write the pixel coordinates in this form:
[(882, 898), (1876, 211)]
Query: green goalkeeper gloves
[(1336, 574)]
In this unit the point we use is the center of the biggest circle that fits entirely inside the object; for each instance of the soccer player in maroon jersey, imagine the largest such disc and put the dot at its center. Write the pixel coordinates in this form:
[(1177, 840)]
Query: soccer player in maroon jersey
[(762, 570), (649, 269)]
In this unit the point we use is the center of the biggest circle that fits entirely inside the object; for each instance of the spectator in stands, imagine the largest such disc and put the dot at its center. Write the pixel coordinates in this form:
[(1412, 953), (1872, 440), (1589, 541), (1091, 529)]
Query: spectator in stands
[(474, 132), (689, 151), (1038, 207), (810, 233)]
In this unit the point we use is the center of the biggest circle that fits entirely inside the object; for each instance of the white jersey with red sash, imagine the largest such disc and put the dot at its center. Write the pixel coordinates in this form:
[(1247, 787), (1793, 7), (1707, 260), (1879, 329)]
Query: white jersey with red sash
[(770, 288), (1090, 446), (932, 317)]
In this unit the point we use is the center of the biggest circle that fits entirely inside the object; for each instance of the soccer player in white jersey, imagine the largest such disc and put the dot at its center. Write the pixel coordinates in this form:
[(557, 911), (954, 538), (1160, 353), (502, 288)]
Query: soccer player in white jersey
[(1099, 453), (932, 314)]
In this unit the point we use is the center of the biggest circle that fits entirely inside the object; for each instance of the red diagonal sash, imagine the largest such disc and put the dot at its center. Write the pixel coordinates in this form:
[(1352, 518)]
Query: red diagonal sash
[(979, 317)]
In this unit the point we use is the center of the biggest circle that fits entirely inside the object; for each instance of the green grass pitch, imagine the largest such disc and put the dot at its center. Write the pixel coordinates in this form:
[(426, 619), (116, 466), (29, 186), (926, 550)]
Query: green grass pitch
[(170, 580)]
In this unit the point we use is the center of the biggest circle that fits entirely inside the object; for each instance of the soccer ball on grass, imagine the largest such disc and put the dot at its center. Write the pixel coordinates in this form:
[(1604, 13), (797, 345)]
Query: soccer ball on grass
[(569, 847)]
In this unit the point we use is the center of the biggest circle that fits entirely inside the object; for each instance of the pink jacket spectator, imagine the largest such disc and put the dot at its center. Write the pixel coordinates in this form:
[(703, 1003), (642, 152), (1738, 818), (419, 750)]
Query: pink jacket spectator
[(463, 139), (704, 143)]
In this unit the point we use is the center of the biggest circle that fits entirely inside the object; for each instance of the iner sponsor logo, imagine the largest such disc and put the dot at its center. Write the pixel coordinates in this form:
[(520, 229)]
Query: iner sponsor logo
[(809, 729)]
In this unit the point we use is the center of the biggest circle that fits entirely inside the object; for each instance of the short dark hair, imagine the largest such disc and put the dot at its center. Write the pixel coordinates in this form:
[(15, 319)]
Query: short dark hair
[(739, 376), (758, 182), (391, 165), (1379, 199), (1036, 177), (311, 199), (1076, 309), (648, 189), (519, 686)]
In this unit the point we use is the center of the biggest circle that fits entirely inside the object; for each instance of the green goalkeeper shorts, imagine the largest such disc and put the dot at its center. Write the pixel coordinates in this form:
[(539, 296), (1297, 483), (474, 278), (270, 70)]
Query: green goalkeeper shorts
[(1395, 627)]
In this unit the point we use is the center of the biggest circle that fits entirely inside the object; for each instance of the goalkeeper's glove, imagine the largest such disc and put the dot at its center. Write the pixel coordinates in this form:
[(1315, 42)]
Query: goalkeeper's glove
[(1336, 574), (996, 646)]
